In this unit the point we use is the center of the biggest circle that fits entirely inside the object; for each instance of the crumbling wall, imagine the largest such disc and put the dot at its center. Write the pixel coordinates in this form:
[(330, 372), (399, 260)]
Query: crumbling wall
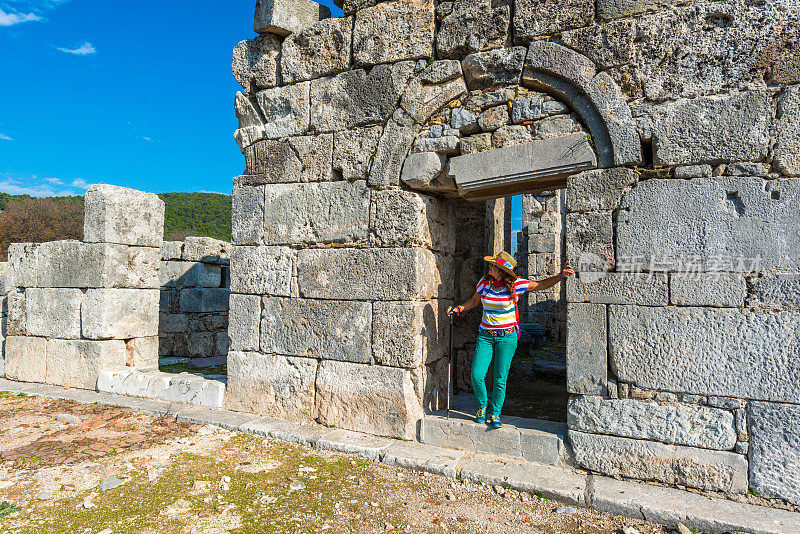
[(195, 288), (80, 307)]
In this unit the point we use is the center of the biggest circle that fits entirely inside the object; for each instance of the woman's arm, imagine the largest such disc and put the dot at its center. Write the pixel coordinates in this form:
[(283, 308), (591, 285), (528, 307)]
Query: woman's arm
[(547, 283), (471, 303)]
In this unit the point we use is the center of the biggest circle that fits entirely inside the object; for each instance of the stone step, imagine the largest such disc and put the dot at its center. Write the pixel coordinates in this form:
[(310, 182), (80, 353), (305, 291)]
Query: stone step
[(198, 390), (532, 439)]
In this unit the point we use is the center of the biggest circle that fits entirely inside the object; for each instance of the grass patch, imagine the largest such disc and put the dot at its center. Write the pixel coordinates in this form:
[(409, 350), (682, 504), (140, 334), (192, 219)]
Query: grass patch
[(7, 508)]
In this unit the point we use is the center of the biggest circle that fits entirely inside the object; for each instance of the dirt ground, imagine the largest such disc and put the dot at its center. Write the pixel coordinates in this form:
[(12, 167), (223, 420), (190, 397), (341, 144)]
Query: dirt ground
[(70, 468)]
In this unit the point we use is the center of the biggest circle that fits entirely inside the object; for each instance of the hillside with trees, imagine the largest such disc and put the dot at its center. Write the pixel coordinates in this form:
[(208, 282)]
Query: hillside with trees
[(25, 219)]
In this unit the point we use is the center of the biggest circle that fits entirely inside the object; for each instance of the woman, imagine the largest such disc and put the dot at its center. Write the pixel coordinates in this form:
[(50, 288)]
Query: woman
[(499, 330)]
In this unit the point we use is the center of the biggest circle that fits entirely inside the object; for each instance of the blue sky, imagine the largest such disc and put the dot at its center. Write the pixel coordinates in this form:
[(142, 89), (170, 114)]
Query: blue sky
[(133, 93)]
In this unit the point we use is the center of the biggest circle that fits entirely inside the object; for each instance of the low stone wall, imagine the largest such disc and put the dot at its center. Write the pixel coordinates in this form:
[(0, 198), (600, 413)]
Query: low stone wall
[(81, 307), (195, 288), (3, 315)]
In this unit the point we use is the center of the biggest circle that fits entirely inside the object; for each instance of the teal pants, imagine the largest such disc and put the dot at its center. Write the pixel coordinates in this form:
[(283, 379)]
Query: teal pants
[(502, 348)]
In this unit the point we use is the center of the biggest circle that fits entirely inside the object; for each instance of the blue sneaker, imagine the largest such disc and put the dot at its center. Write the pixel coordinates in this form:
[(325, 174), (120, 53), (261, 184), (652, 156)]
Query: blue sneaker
[(494, 421), (480, 417)]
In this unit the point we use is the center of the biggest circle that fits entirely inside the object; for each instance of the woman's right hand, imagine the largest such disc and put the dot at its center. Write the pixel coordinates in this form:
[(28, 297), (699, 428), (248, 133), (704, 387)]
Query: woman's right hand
[(454, 310)]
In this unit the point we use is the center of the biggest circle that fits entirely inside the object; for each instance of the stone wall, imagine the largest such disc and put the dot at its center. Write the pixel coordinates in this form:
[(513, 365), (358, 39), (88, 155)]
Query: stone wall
[(680, 165), (80, 307), (195, 288), (4, 289)]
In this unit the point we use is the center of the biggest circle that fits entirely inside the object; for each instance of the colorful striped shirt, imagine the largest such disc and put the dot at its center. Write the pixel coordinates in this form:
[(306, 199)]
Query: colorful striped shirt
[(498, 306)]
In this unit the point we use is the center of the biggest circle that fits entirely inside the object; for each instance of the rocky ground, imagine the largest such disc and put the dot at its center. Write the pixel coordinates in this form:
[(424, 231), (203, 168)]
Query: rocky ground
[(73, 468)]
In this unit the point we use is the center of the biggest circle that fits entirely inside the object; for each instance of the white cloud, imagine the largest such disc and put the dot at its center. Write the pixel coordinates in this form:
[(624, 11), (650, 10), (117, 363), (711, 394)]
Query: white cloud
[(54, 181), (147, 139), (4, 137), (80, 183), (86, 49), (40, 187), (10, 19)]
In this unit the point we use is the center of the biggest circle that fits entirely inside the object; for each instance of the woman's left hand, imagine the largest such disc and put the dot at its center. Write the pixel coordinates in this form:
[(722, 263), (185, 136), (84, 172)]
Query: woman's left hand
[(567, 271)]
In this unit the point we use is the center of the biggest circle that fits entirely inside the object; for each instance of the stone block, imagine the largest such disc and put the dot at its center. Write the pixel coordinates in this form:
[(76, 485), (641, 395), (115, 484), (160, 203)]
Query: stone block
[(493, 118), (275, 386), (494, 67), (590, 241), (143, 353), (355, 98), (205, 299), (535, 18), (377, 274), (123, 216), (466, 434), (683, 133), (283, 17), (249, 203), (319, 50), (482, 100), (171, 250), (464, 121), (608, 45), (373, 399), (774, 462), (587, 349), (474, 26), (353, 151), (527, 108), (323, 329), (423, 101), (615, 9), (510, 135), (316, 213), (120, 313), (200, 344), (206, 250), (734, 224), (409, 334), (255, 63), (394, 31), (447, 145), (404, 219), (646, 289), (707, 351), (251, 124), (356, 443), (779, 291), (672, 464), (393, 148), (180, 274), (262, 270), (78, 363), (600, 189), (286, 110), (292, 160), (612, 106), (476, 143), (425, 458), (693, 171), (559, 61), (679, 424), (26, 358), (421, 168), (23, 265), (16, 322), (244, 322), (787, 132), (557, 125), (53, 312), (707, 289)]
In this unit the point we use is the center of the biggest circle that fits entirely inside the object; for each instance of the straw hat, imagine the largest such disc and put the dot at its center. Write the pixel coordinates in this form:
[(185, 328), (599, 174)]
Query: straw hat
[(504, 261)]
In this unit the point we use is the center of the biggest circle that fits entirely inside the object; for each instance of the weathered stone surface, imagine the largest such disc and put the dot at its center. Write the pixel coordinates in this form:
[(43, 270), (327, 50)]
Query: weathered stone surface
[(774, 463), (124, 216), (495, 67), (316, 213), (680, 424), (587, 349), (377, 274), (610, 103), (464, 121), (474, 26), (707, 351), (646, 289), (493, 118), (732, 224), (249, 203), (26, 358), (351, 6), (557, 60), (476, 143), (420, 168), (558, 125), (648, 460), (77, 363), (23, 265), (251, 124), (608, 45), (394, 31), (119, 313), (393, 148), (600, 189), (262, 270), (204, 300), (142, 353), (422, 101), (694, 171), (708, 289), (443, 145), (739, 129), (460, 433), (480, 101), (614, 9), (590, 241), (403, 219), (355, 98), (206, 249), (356, 443), (526, 109), (353, 151), (275, 386), (780, 291), (409, 334), (283, 17), (787, 137), (292, 160), (534, 18), (244, 322), (426, 458), (510, 135), (317, 51), (53, 312), (255, 63), (323, 329), (374, 399), (16, 322), (190, 274), (286, 110)]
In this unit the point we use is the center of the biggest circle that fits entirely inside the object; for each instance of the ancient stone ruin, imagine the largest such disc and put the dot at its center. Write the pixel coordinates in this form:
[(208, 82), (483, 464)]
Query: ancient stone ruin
[(658, 148)]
